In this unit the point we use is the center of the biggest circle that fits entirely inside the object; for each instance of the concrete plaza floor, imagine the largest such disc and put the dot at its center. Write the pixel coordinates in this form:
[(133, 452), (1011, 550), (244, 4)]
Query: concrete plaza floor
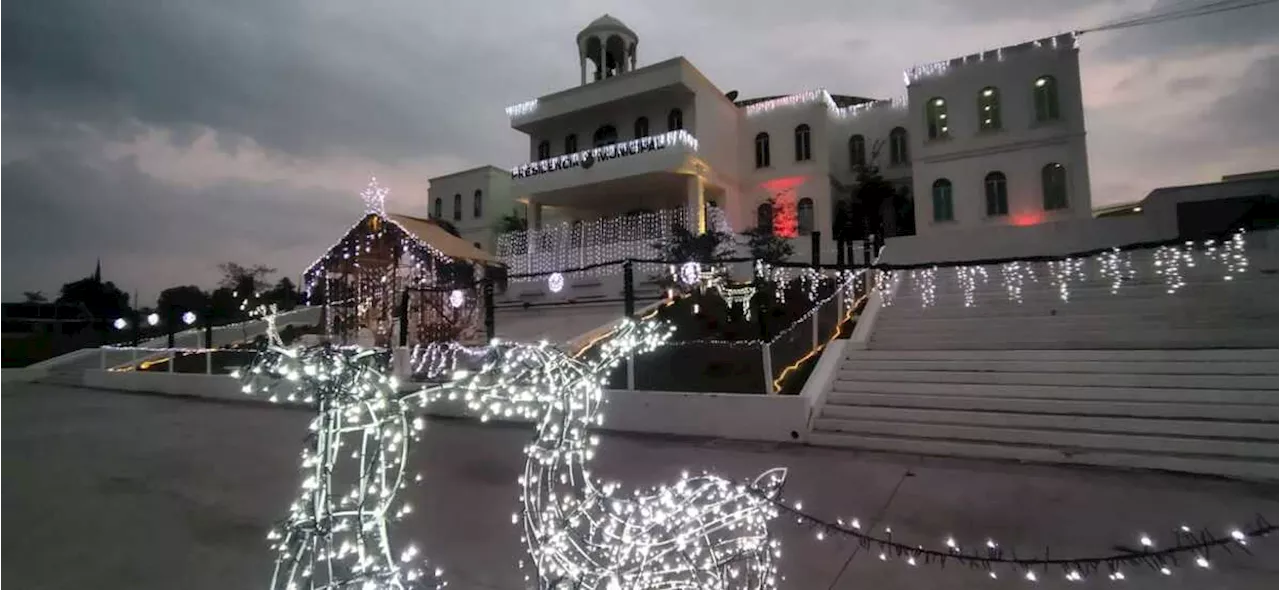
[(112, 490)]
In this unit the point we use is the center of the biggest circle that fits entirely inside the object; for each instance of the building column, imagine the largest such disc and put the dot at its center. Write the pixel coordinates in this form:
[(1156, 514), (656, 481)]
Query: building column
[(601, 63), (582, 66), (697, 203), (535, 215)]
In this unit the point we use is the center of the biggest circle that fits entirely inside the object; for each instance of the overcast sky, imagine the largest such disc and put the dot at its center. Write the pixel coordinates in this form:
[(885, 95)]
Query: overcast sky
[(166, 136)]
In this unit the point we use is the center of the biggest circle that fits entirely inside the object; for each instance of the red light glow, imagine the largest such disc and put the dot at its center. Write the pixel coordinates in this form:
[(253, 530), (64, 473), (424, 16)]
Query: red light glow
[(782, 184), (1026, 219)]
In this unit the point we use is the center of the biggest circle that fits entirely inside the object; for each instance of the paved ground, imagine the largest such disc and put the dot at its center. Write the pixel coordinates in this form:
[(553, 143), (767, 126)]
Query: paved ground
[(104, 489)]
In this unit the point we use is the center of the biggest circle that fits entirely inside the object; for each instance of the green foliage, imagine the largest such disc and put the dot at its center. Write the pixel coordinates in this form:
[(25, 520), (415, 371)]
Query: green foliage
[(175, 301), (102, 299), (685, 246), (245, 280), (767, 246), (34, 297), (512, 222)]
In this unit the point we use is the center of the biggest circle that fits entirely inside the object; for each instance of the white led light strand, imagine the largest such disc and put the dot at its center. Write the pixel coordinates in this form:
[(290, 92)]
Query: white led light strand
[(923, 281), (337, 536), (967, 277), (1014, 275), (704, 532)]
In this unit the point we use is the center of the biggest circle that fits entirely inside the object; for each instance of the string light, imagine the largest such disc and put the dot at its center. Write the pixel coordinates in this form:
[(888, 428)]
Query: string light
[(677, 138), (703, 532), (923, 279), (968, 277), (333, 539)]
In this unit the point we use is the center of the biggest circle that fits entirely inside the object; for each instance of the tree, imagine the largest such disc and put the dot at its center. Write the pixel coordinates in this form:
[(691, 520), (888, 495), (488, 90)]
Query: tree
[(767, 243), (512, 222), (175, 301), (245, 280), (685, 246), (101, 299), (285, 295), (34, 297)]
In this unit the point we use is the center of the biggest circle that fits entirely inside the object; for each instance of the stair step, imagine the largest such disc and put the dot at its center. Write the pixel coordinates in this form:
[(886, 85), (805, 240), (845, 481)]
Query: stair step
[(1270, 368), (1139, 409), (1231, 467), (1114, 307), (831, 416), (1066, 439), (1151, 394), (1152, 355), (1258, 382), (1096, 341)]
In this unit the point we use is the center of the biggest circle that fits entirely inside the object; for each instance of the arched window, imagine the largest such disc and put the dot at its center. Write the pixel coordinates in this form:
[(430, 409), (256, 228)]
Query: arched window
[(675, 120), (605, 135), (802, 143), (457, 207), (997, 194), (804, 216), (857, 152), (989, 109), (942, 207), (437, 208), (1046, 96), (477, 204), (570, 143), (544, 149), (935, 117), (764, 217), (898, 154), (762, 150), (642, 127), (1053, 183)]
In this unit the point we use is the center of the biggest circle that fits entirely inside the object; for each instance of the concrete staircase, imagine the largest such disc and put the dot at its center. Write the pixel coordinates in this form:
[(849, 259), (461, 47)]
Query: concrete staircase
[(1140, 378)]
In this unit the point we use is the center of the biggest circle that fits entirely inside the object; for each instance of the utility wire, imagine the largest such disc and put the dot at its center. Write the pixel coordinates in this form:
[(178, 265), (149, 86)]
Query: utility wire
[(1215, 7)]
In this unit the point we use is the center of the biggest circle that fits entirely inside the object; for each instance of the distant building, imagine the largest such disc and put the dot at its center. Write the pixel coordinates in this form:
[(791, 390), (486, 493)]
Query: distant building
[(1246, 201), (995, 138)]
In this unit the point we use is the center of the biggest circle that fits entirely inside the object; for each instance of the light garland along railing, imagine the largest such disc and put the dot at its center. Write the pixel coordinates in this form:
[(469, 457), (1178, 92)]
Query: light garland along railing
[(1194, 546), (942, 67), (589, 245), (821, 96), (585, 158), (1114, 266)]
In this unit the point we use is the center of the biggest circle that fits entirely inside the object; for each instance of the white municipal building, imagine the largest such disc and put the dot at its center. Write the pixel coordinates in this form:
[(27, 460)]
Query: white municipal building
[(990, 139)]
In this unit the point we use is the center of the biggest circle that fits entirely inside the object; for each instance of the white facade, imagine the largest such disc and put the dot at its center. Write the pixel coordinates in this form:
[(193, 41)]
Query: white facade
[(473, 201), (661, 136), (1019, 143)]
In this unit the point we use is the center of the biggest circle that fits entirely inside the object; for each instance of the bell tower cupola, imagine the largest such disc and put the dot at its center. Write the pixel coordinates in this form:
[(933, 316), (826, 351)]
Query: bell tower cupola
[(606, 48)]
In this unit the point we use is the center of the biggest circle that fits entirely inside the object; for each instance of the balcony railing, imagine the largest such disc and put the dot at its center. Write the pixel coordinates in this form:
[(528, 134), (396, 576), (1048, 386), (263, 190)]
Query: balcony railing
[(588, 158)]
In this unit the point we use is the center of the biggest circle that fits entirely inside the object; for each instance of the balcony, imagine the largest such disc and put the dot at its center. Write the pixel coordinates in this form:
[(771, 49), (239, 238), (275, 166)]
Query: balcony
[(657, 153)]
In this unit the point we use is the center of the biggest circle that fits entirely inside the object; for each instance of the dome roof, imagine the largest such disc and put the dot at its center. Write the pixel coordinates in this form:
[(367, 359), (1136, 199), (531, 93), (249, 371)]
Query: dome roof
[(606, 23)]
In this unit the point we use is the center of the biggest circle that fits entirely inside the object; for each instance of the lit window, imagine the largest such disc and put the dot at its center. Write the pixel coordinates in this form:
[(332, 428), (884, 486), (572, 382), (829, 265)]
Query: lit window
[(857, 152), (989, 109), (675, 120), (942, 206), (804, 216), (544, 149), (1053, 183), (477, 205), (935, 118), (570, 143), (802, 143), (642, 127), (997, 194), (457, 207), (1046, 97), (898, 154), (762, 150)]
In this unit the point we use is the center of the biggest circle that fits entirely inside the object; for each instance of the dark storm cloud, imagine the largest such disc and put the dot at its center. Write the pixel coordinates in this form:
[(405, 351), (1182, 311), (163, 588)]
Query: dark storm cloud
[(63, 210), (1247, 115), (1236, 28), (302, 77)]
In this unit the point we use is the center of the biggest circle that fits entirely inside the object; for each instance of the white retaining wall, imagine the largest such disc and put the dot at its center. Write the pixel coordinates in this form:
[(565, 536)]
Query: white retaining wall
[(715, 415)]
